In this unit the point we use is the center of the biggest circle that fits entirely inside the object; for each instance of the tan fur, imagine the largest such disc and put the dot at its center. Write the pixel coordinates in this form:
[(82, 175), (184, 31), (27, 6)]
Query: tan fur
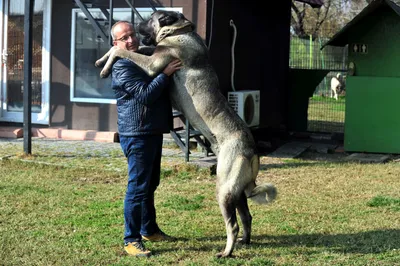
[(195, 92)]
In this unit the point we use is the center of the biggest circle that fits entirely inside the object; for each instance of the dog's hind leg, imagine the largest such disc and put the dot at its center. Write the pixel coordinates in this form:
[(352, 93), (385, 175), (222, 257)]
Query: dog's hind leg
[(227, 204), (245, 216)]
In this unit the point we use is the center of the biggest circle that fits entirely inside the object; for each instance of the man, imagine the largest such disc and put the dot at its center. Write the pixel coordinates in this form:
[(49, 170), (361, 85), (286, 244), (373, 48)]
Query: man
[(144, 114)]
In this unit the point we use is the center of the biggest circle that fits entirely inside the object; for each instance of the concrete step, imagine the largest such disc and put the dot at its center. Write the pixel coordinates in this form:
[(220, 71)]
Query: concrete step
[(61, 133)]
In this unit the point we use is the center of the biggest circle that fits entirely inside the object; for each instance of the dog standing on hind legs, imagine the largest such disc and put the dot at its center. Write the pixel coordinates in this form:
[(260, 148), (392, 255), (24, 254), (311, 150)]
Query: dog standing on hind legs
[(194, 91)]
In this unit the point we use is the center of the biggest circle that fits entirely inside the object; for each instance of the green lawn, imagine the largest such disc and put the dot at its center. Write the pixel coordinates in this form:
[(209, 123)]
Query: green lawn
[(326, 114), (67, 210)]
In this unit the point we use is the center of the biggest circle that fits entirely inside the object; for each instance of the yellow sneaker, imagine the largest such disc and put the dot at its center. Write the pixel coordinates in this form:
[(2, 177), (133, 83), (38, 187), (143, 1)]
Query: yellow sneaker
[(137, 249), (159, 236)]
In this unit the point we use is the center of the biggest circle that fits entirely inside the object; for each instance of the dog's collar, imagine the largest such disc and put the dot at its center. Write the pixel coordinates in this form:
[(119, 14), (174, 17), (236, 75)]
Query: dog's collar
[(173, 30)]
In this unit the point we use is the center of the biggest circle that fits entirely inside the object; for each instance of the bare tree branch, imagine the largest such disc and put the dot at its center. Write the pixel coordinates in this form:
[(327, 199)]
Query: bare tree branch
[(324, 21)]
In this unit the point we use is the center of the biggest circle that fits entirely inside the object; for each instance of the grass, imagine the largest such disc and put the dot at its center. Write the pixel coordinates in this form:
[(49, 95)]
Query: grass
[(325, 114), (61, 209)]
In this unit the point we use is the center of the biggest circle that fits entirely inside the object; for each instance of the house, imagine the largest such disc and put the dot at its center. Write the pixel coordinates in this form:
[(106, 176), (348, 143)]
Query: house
[(373, 80), (67, 91)]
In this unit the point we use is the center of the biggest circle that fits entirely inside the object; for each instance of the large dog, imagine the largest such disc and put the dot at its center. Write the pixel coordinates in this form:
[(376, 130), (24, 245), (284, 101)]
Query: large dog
[(195, 92)]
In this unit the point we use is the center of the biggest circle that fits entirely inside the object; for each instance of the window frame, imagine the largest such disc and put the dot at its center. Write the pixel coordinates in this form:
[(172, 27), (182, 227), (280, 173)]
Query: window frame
[(75, 11)]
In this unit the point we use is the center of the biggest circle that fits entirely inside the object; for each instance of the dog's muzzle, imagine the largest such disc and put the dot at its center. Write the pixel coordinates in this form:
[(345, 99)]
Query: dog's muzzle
[(148, 41), (147, 33)]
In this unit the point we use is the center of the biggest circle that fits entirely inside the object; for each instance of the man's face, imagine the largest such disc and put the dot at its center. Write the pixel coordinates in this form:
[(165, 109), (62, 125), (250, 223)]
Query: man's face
[(125, 37)]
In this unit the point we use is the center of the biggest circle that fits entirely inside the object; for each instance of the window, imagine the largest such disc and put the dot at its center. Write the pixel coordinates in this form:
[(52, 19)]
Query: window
[(87, 47), (15, 57)]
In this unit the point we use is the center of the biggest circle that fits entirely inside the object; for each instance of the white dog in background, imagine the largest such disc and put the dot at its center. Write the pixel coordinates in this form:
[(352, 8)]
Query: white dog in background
[(336, 84)]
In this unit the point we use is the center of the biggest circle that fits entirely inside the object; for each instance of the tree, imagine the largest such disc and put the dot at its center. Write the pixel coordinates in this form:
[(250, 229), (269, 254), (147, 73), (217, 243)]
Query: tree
[(324, 21)]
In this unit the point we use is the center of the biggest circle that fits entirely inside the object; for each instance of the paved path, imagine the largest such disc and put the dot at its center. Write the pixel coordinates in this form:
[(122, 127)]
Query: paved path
[(88, 148), (75, 147)]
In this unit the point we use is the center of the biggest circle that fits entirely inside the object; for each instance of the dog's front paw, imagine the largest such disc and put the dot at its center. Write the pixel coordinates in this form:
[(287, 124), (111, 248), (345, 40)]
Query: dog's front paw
[(104, 73), (100, 63)]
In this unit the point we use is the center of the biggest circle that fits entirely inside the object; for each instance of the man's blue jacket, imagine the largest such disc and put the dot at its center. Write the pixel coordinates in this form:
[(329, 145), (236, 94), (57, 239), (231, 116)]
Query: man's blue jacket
[(143, 103)]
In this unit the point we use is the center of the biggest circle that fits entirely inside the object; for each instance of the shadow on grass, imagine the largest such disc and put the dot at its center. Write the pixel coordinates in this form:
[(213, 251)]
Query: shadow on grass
[(296, 164), (286, 165), (371, 242), (326, 126)]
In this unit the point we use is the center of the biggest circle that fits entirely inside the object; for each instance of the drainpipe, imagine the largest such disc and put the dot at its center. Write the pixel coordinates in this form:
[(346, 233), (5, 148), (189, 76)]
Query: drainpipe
[(311, 51), (27, 97)]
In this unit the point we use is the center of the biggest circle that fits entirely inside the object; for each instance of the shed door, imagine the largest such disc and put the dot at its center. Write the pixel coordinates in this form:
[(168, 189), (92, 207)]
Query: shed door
[(12, 68)]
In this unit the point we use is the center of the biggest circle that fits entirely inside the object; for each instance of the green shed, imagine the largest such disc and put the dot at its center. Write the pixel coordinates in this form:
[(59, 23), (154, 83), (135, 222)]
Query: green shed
[(372, 118)]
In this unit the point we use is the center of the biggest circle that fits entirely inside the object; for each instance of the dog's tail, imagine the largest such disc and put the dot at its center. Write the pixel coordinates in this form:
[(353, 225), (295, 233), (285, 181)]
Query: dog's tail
[(263, 194)]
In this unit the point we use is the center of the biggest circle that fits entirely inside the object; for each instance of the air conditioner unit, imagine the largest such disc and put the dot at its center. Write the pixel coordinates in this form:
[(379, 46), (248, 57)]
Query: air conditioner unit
[(246, 104)]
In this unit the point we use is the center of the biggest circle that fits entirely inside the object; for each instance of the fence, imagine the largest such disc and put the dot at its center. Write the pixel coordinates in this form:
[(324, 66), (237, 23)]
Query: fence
[(307, 54), (325, 113)]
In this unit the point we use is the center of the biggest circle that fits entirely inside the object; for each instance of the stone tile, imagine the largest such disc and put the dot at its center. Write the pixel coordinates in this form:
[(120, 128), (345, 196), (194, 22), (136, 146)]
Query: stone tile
[(368, 157)]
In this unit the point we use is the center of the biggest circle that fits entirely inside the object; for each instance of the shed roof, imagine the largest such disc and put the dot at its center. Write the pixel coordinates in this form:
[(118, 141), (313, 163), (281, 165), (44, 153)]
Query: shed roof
[(313, 3), (340, 38)]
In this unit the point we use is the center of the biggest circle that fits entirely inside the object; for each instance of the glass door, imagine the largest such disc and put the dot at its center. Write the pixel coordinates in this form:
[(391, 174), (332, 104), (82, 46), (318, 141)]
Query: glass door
[(12, 56)]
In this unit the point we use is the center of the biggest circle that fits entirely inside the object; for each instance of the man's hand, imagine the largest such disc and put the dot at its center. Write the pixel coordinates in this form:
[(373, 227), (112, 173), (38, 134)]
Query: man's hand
[(172, 67)]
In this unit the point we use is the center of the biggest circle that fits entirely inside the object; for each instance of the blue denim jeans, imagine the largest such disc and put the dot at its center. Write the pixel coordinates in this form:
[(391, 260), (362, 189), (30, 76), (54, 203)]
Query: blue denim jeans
[(143, 154)]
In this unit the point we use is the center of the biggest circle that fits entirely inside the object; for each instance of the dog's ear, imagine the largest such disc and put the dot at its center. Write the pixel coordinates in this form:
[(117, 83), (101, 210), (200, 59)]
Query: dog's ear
[(168, 19)]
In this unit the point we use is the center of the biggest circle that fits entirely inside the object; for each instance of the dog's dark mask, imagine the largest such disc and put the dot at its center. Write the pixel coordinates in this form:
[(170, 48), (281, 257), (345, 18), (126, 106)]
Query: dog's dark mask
[(169, 18), (166, 19)]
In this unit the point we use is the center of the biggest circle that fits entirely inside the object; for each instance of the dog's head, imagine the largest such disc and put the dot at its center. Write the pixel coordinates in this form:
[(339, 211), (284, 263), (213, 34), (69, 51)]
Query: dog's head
[(162, 24)]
